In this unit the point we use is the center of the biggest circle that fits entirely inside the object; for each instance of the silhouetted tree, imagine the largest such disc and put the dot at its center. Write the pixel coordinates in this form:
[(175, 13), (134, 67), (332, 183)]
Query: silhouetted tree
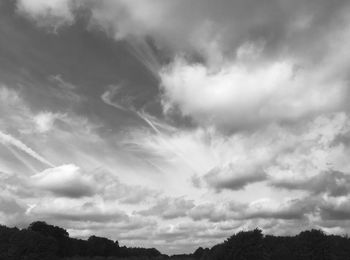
[(245, 246), (314, 245), (48, 230)]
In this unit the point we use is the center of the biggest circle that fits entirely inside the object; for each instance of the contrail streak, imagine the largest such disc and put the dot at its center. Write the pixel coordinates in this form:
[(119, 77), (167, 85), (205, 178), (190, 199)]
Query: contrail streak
[(7, 139), (149, 122), (21, 159)]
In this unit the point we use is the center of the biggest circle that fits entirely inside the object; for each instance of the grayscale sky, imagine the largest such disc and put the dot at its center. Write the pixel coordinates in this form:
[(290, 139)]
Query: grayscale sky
[(175, 123)]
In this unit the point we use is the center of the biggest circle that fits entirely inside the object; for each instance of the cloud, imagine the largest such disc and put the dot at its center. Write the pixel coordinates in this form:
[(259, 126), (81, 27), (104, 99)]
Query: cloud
[(209, 211), (68, 209), (12, 212), (269, 209), (234, 177), (332, 183), (10, 206), (52, 14), (239, 19), (66, 180), (239, 96), (44, 121), (253, 72), (212, 29), (123, 102), (264, 208), (335, 208), (169, 208), (268, 155), (108, 185)]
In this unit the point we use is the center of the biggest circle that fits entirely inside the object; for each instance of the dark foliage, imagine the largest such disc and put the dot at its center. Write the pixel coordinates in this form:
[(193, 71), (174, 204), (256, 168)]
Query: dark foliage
[(48, 230), (41, 241), (308, 245)]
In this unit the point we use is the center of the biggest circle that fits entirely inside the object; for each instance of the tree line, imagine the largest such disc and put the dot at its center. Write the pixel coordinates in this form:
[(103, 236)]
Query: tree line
[(41, 241), (253, 245)]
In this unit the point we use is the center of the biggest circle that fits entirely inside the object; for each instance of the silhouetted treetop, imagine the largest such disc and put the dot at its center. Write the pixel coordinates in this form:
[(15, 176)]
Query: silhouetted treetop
[(48, 230)]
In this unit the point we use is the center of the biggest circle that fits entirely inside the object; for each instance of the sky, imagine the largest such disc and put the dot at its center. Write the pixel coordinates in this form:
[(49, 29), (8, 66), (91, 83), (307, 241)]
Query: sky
[(174, 124)]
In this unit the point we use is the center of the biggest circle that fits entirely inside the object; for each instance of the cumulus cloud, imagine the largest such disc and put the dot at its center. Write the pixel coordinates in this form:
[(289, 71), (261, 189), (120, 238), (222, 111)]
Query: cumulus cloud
[(269, 209), (335, 208), (52, 14), (66, 180), (209, 211), (333, 183), (111, 188), (264, 208), (274, 153), (234, 177), (77, 210), (238, 96)]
